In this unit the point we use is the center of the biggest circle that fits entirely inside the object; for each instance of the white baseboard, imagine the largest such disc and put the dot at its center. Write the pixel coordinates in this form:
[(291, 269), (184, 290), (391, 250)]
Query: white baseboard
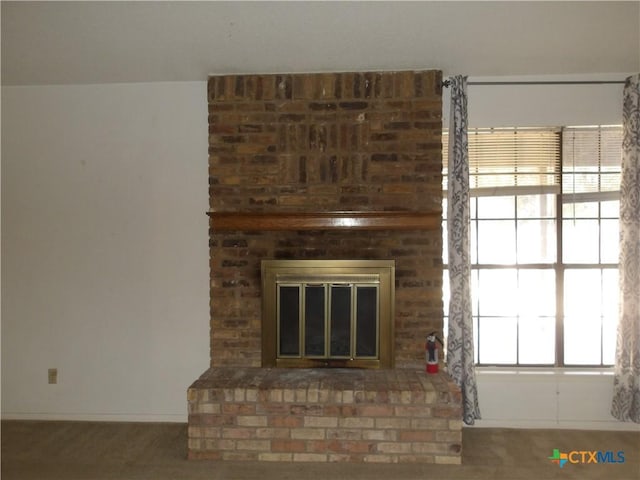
[(559, 425), (81, 417)]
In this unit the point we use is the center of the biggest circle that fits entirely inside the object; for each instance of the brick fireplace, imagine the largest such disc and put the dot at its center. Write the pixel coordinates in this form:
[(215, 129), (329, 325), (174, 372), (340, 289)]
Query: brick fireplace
[(337, 166)]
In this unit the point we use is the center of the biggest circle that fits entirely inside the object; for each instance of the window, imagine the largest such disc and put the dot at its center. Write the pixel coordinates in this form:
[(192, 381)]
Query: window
[(544, 244)]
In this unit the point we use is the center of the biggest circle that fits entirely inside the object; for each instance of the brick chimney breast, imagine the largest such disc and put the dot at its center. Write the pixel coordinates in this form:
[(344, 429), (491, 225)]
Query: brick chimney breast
[(324, 166), (323, 142)]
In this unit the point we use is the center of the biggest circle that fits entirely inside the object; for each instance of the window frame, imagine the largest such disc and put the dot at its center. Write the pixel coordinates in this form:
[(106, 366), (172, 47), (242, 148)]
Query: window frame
[(558, 266)]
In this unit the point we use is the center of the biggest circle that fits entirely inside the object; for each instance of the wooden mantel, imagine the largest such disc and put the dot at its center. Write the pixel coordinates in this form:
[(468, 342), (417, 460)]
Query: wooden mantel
[(335, 220)]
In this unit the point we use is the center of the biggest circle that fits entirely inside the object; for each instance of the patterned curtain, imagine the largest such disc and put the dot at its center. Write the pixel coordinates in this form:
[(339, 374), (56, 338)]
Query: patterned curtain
[(460, 361), (626, 384)]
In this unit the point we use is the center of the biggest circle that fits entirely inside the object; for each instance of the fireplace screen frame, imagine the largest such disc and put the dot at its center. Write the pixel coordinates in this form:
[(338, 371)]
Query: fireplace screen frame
[(353, 273)]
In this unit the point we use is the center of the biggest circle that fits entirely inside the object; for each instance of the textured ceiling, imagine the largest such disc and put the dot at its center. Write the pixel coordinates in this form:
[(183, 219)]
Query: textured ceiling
[(104, 42)]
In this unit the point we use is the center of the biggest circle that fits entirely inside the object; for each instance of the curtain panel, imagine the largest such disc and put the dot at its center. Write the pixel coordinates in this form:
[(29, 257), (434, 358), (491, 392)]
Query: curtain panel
[(460, 355), (626, 383)]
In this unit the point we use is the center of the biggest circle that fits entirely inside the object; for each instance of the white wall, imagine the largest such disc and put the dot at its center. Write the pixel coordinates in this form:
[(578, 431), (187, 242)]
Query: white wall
[(542, 105), (547, 398), (104, 248)]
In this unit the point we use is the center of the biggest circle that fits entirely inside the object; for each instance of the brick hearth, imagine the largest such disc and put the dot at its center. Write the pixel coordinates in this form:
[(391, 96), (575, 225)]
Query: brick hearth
[(324, 415)]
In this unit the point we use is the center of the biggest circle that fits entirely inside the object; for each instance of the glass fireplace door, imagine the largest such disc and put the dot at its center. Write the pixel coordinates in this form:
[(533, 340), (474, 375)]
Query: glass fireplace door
[(328, 320), (331, 317)]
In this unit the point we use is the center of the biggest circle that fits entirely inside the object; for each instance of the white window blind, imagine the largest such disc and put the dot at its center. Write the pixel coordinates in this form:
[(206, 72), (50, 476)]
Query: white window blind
[(592, 158), (509, 161)]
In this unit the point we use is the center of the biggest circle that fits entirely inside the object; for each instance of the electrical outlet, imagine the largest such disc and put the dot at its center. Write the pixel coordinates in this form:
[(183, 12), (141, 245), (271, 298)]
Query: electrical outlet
[(53, 375)]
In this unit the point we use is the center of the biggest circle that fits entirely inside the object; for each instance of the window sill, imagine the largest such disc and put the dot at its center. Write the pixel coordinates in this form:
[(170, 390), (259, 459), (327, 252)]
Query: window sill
[(546, 371)]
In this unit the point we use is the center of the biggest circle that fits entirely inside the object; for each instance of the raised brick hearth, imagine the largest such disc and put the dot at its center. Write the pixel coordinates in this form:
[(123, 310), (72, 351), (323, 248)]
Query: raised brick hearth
[(324, 415), (335, 166)]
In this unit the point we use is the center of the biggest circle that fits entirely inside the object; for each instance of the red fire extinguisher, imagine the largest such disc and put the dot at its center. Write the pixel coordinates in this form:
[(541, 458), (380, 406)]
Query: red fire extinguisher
[(431, 352)]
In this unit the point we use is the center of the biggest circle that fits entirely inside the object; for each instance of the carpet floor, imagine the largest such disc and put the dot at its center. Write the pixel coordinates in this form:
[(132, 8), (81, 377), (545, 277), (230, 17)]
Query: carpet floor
[(128, 451)]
